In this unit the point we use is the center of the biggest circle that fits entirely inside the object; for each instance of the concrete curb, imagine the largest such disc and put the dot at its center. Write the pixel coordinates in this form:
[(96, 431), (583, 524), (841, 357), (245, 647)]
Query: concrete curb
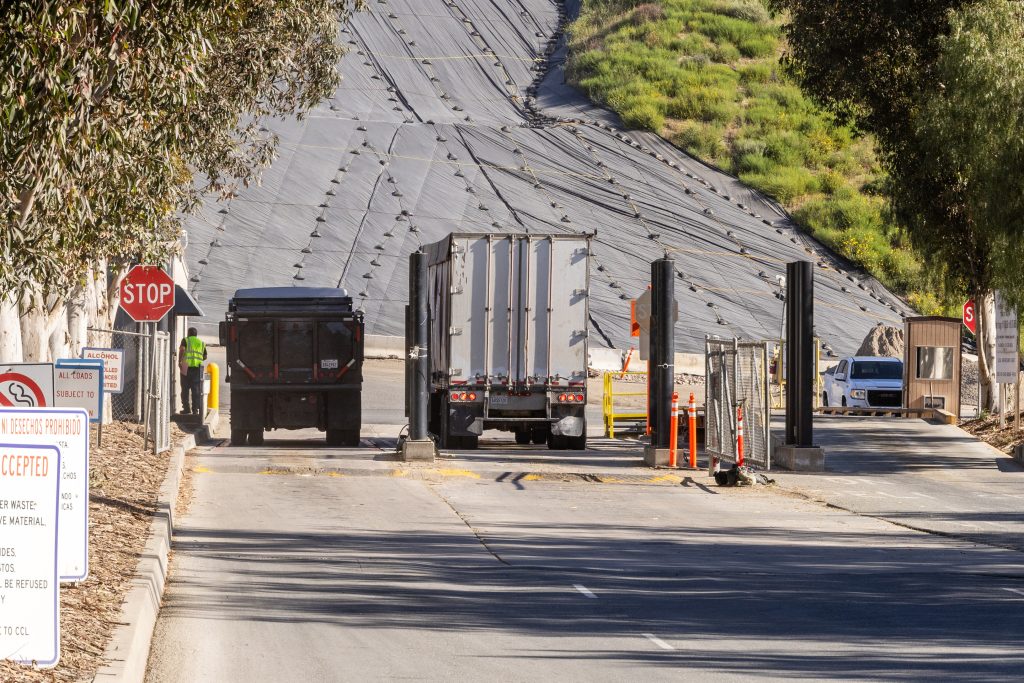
[(127, 653)]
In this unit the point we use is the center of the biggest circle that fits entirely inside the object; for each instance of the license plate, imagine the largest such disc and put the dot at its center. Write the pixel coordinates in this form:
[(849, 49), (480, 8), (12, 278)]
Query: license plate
[(499, 400), (329, 364)]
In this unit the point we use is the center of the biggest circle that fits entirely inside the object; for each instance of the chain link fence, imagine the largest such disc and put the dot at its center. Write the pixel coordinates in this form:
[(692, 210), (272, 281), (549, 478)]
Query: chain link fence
[(146, 399), (737, 377)]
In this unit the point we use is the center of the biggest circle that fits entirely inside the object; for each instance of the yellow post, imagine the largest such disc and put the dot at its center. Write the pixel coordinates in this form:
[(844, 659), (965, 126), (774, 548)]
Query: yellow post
[(213, 399)]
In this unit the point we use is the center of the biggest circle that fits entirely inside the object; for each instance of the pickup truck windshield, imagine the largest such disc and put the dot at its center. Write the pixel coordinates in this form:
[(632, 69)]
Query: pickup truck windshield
[(870, 369)]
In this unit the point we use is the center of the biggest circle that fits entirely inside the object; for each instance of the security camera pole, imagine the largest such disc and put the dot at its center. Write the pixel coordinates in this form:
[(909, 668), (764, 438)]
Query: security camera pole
[(418, 446), (663, 315)]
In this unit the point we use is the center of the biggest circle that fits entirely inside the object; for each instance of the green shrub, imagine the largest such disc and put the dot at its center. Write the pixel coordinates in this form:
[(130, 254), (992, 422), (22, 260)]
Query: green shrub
[(706, 73), (784, 183)]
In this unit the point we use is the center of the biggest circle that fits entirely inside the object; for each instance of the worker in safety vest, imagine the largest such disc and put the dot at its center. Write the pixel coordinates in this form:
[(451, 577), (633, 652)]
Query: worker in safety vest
[(191, 355)]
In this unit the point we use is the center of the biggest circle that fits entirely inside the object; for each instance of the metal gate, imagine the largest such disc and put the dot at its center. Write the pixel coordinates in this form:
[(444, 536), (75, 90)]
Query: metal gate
[(737, 377)]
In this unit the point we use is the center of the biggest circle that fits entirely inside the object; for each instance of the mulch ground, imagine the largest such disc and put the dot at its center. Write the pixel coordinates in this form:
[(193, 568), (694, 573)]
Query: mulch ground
[(987, 429), (124, 482)]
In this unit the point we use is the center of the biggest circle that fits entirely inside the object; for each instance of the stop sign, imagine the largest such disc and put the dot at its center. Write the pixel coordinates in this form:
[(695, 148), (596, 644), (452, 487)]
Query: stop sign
[(147, 293), (970, 321)]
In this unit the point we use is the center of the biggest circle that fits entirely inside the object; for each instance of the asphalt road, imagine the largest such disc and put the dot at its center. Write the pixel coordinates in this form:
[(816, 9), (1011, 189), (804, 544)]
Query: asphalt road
[(285, 570)]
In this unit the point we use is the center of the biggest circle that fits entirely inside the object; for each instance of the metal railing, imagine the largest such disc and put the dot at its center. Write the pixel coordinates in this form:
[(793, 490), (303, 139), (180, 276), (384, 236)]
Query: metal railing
[(609, 409), (737, 378)]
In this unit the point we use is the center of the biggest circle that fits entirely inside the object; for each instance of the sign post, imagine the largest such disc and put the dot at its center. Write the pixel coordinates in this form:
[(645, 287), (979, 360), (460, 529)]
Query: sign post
[(147, 295), (30, 478)]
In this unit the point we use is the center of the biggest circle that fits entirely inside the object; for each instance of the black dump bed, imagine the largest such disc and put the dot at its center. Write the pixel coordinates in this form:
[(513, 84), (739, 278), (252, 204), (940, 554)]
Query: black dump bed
[(306, 336)]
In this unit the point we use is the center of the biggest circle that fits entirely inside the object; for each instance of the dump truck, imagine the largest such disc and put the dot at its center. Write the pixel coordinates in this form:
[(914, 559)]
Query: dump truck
[(294, 361), (508, 337)]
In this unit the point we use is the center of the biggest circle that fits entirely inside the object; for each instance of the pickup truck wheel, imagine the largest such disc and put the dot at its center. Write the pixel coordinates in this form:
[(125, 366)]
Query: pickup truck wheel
[(523, 436), (256, 437), (238, 437), (844, 401)]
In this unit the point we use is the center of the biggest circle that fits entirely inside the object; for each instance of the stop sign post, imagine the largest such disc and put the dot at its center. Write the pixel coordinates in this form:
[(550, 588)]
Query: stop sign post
[(147, 294), (970, 317)]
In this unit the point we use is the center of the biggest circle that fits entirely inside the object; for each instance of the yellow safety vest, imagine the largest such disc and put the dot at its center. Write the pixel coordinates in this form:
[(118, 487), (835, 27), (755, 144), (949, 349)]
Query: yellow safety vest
[(195, 349)]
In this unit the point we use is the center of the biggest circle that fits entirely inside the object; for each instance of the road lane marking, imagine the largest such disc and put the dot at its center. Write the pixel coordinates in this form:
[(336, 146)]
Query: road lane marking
[(658, 641), (1014, 590), (583, 589)]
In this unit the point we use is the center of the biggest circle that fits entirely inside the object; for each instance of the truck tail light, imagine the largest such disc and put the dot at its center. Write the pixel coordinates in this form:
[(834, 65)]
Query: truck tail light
[(463, 396), (455, 396), (579, 398)]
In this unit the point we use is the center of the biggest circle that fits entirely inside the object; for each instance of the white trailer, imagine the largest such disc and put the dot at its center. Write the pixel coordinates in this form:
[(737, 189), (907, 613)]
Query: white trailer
[(508, 337)]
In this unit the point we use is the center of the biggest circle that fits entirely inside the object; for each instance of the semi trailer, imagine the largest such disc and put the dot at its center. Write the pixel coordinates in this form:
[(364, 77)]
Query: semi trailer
[(508, 338), (294, 361)]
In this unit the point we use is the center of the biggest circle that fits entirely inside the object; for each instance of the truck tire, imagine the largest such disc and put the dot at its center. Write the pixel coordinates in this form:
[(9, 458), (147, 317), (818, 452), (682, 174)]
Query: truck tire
[(523, 436), (335, 437), (469, 443), (577, 443), (238, 437), (540, 435), (350, 438), (557, 442), (255, 437)]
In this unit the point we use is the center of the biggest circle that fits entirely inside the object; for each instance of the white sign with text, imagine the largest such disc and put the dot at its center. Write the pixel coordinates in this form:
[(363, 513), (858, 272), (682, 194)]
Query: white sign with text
[(66, 429), (1007, 343), (30, 478), (113, 367)]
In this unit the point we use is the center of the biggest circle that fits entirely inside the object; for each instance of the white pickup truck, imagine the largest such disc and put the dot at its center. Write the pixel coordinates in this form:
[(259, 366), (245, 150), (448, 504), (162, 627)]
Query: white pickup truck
[(864, 382)]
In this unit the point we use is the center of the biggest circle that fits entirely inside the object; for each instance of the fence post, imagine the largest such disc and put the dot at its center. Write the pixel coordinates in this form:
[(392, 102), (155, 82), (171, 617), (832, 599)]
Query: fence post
[(692, 431), (673, 437)]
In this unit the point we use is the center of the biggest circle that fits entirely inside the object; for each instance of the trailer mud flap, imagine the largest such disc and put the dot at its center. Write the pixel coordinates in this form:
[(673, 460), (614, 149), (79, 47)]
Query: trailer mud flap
[(465, 420), (568, 426)]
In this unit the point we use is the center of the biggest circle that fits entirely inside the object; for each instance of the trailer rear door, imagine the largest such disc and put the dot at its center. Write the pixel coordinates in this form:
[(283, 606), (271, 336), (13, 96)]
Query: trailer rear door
[(569, 282)]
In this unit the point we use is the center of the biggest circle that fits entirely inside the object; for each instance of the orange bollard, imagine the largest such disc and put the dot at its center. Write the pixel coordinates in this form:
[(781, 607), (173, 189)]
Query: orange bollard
[(625, 366), (739, 436), (673, 435), (693, 432)]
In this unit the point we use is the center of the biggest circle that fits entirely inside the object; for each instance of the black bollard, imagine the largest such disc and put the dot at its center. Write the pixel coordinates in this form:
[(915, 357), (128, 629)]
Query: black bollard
[(663, 347), (418, 356), (799, 354)]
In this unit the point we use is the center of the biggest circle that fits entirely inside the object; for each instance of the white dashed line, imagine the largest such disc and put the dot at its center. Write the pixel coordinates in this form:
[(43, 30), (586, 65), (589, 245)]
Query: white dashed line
[(1014, 590), (583, 589), (658, 641)]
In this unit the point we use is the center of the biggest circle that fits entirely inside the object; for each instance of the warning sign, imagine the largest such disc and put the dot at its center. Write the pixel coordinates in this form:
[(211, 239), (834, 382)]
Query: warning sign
[(66, 429), (113, 367), (78, 383), (29, 524), (26, 385)]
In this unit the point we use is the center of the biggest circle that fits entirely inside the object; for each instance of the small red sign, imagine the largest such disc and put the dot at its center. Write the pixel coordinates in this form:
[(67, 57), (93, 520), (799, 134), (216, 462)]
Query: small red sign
[(970, 320), (147, 294)]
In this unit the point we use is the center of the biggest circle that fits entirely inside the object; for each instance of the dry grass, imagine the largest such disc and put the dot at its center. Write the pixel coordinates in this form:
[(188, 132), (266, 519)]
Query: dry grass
[(124, 483)]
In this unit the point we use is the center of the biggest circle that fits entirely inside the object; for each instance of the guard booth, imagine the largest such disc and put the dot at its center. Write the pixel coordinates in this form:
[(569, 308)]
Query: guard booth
[(931, 364)]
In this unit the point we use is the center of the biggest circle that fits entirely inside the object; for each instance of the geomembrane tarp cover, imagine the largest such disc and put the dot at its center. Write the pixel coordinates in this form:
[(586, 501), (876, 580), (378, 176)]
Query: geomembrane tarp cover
[(453, 116)]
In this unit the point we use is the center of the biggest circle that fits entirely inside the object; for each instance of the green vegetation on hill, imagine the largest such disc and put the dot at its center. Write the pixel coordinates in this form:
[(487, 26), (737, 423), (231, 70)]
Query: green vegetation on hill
[(706, 75)]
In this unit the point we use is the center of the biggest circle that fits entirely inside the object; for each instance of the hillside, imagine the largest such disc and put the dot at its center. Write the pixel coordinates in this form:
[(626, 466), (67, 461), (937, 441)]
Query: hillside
[(456, 118), (706, 75)]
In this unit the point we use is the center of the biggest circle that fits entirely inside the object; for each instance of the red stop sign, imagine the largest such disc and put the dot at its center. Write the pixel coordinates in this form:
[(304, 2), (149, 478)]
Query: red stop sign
[(970, 321), (147, 293)]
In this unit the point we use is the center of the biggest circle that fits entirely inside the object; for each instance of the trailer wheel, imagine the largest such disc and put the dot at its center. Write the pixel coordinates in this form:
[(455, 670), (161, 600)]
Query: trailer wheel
[(557, 442), (539, 435), (335, 437), (523, 436), (577, 443), (469, 443), (255, 437), (238, 437), (350, 438)]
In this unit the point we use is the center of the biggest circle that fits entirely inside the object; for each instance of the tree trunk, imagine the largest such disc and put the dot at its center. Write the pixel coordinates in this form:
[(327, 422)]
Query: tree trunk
[(986, 317), (40, 316), (78, 319), (10, 331)]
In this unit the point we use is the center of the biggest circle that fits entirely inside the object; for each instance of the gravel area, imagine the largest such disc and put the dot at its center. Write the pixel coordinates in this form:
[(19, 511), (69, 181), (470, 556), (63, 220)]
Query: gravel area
[(124, 481)]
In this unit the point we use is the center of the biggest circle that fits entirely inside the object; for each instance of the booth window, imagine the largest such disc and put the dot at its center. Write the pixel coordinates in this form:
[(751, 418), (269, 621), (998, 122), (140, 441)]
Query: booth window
[(934, 362)]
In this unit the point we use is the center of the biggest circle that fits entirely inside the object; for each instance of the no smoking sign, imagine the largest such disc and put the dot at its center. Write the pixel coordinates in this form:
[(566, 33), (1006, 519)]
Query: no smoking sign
[(26, 385)]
